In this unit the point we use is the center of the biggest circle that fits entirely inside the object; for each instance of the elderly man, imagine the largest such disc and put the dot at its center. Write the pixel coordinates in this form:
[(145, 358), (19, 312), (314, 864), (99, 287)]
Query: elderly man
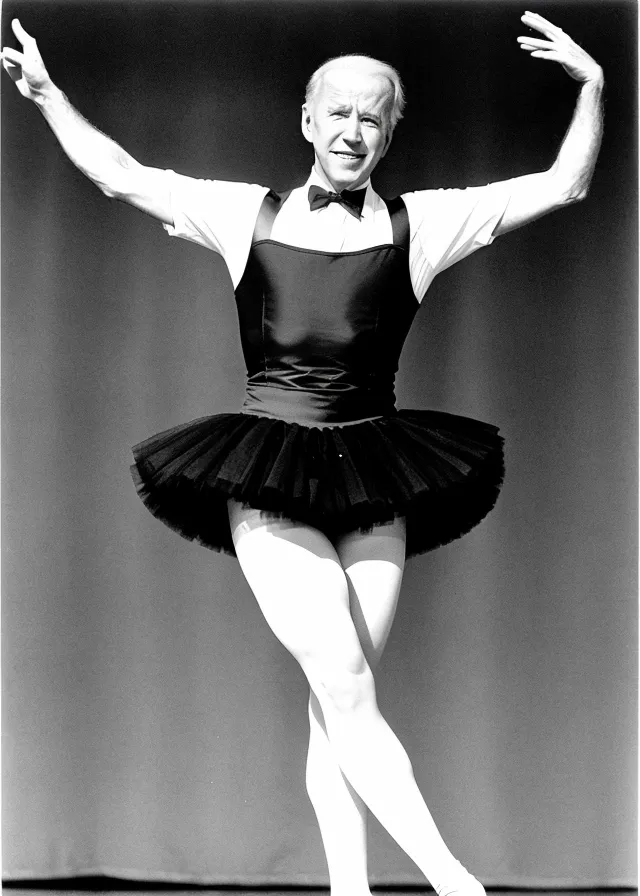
[(318, 485)]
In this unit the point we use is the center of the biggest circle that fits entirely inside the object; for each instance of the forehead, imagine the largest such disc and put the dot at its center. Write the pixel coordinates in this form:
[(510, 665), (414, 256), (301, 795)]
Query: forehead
[(345, 86)]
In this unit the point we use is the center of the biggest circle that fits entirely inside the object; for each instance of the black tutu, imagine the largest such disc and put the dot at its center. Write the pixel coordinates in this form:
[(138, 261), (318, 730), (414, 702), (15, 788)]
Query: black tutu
[(441, 471)]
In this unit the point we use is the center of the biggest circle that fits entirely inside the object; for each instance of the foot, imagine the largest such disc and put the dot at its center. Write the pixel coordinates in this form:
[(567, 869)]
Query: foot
[(460, 883), (359, 891)]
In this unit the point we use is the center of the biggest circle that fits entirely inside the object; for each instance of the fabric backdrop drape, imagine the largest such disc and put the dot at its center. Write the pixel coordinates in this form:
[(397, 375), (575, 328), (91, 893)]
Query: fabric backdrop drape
[(154, 729)]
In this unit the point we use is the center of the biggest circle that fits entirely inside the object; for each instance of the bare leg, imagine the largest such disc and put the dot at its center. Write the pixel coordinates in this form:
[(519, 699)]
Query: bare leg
[(301, 587), (373, 567)]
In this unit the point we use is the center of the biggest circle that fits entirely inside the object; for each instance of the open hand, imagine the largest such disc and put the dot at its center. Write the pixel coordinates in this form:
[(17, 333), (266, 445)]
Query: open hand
[(559, 47), (25, 68)]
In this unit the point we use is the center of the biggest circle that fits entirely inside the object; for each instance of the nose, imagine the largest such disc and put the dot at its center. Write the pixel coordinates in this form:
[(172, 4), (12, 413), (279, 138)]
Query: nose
[(353, 131)]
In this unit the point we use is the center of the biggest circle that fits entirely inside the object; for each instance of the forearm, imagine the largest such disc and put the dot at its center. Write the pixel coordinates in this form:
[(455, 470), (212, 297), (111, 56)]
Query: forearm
[(91, 151), (576, 159)]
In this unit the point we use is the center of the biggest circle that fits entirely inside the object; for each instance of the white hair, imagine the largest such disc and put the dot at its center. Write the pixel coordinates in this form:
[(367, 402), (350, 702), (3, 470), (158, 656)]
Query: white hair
[(372, 66)]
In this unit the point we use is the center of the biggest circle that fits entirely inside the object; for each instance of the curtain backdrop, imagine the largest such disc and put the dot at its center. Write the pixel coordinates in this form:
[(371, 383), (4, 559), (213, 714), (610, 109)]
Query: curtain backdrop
[(154, 729)]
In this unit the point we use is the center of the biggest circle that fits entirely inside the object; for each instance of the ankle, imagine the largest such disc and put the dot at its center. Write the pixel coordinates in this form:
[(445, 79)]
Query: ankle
[(362, 890), (459, 882)]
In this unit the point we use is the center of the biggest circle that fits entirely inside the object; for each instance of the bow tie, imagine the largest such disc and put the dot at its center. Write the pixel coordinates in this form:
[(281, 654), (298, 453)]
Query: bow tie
[(352, 200)]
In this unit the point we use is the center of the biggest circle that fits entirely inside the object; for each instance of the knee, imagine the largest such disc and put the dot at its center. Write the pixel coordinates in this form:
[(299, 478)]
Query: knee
[(345, 687)]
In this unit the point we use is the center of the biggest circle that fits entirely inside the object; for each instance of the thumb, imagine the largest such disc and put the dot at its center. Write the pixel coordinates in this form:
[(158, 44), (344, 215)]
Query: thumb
[(19, 31)]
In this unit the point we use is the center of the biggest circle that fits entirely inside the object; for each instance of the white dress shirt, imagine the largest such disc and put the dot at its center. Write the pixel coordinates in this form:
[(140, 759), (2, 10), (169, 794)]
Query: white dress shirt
[(446, 225)]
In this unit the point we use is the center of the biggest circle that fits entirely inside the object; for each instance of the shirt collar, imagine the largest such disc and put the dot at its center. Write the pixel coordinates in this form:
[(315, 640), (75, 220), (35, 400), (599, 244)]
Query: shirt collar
[(318, 177)]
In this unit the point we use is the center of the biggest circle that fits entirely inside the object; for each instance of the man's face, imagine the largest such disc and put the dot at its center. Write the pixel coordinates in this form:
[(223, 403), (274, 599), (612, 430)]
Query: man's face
[(348, 124)]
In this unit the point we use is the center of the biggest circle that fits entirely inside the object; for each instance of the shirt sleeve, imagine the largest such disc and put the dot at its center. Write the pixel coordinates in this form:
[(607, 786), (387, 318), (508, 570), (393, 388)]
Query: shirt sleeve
[(217, 214), (449, 224)]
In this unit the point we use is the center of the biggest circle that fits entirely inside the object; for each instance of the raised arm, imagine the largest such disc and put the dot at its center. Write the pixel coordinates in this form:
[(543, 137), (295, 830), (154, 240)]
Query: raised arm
[(117, 174), (568, 179)]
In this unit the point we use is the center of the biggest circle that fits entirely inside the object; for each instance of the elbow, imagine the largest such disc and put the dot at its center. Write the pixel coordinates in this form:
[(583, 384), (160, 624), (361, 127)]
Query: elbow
[(572, 197), (567, 190), (570, 194), (114, 186), (115, 181), (108, 182), (109, 192)]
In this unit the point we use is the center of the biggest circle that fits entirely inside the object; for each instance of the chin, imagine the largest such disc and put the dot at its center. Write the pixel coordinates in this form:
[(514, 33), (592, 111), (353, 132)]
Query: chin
[(349, 180), (344, 176)]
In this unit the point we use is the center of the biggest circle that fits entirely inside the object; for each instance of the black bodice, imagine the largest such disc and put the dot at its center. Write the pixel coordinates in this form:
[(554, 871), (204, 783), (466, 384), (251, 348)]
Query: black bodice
[(322, 332)]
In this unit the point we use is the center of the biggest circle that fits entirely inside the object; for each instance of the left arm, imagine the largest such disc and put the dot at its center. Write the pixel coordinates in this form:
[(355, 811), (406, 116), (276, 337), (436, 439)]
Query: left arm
[(568, 179)]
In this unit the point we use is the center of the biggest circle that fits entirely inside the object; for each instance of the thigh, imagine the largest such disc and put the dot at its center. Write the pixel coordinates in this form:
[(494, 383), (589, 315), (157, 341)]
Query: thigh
[(295, 574), (373, 563)]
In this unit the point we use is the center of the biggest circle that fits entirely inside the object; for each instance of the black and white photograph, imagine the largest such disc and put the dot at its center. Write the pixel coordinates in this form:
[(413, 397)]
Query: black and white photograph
[(319, 442)]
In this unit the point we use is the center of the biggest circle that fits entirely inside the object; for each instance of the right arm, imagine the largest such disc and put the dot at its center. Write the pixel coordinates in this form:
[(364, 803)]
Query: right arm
[(117, 174)]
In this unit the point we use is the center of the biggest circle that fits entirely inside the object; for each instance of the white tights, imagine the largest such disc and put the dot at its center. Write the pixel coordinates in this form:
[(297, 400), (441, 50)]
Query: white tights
[(332, 607)]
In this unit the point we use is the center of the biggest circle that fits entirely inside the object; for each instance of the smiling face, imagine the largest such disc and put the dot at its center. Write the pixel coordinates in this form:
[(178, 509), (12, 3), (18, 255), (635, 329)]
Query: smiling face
[(347, 121)]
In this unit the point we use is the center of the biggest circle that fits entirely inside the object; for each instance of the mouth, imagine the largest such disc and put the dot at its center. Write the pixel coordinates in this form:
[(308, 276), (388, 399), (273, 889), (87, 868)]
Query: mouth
[(351, 156)]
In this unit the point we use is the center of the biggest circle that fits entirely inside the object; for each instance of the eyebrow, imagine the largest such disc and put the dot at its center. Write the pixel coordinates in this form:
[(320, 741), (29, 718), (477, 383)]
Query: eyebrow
[(342, 108)]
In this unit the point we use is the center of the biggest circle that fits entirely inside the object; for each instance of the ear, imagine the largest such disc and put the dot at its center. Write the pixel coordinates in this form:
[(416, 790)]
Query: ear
[(306, 123), (387, 144)]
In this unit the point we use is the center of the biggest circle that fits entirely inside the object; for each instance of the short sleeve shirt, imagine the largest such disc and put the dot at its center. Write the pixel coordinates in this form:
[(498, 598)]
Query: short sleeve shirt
[(446, 225)]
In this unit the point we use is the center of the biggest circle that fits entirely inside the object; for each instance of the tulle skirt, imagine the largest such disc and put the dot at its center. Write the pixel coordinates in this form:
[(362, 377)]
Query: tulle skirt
[(441, 471)]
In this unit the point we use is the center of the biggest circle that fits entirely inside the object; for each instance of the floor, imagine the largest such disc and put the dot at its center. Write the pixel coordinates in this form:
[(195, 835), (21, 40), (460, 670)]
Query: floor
[(126, 888)]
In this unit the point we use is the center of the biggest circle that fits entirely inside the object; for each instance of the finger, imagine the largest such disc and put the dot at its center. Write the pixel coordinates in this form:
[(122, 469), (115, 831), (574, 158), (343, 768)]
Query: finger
[(535, 42), (533, 20), (19, 31), (14, 55), (551, 55), (541, 20)]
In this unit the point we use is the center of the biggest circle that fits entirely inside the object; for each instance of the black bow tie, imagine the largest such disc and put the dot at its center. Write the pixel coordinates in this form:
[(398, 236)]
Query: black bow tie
[(352, 200)]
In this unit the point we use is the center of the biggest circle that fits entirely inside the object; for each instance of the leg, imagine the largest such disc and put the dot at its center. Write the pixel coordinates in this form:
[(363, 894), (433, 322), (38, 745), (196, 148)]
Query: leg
[(301, 588), (373, 565)]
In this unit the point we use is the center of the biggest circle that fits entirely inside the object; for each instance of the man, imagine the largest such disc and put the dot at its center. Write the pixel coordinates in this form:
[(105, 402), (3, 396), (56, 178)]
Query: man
[(299, 577), (118, 175)]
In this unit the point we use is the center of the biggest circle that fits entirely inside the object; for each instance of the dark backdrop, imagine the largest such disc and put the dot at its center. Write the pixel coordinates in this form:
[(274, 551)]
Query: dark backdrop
[(153, 728)]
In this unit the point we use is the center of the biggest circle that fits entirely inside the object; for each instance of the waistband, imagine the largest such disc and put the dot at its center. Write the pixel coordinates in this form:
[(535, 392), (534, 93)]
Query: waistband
[(316, 408)]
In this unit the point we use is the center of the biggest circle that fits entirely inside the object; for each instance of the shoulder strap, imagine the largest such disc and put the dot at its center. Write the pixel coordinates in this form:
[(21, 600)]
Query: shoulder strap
[(399, 222), (271, 205), (273, 202)]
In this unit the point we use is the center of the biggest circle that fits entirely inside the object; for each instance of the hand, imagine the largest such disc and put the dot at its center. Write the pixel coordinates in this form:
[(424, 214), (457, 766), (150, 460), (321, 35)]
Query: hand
[(559, 47), (26, 68)]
